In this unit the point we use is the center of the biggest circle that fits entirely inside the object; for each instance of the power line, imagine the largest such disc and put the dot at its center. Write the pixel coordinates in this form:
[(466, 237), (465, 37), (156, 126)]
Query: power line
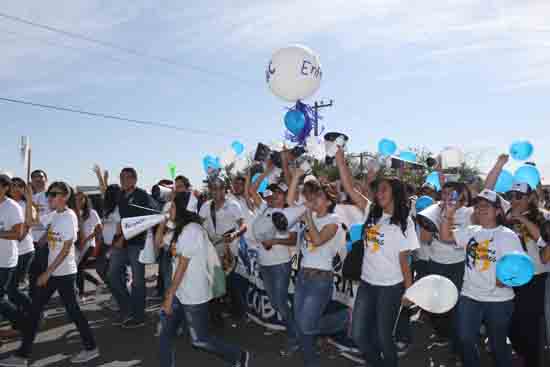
[(126, 50), (115, 117)]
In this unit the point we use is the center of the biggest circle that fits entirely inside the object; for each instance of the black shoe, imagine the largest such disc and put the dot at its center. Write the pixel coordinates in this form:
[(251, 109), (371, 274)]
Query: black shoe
[(121, 320), (133, 324), (243, 362)]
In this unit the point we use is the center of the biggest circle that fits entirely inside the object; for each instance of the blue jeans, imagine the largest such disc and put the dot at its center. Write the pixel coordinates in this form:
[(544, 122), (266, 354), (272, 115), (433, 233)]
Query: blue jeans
[(18, 298), (7, 309), (276, 279), (130, 305), (497, 317), (445, 325), (196, 319), (65, 286), (374, 315), (311, 297)]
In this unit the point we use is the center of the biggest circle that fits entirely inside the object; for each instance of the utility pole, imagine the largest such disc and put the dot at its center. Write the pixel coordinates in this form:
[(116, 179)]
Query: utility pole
[(316, 107)]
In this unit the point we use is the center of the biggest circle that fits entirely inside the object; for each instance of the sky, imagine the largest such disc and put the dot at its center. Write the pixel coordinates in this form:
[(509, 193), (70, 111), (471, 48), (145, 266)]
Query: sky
[(473, 74)]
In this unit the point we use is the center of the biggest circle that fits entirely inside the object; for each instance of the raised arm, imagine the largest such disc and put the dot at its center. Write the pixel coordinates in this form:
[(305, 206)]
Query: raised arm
[(492, 177), (293, 194), (319, 238), (285, 155), (347, 181), (253, 189), (446, 228), (101, 178)]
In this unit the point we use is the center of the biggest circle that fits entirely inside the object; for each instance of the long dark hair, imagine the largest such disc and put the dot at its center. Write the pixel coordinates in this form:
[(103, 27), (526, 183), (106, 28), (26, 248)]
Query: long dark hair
[(183, 216), (86, 207), (111, 199), (400, 205)]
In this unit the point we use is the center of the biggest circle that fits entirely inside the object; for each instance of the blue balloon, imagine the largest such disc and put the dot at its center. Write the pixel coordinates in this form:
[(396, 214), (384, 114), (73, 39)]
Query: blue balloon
[(263, 185), (356, 232), (504, 182), (521, 150), (295, 121), (408, 156), (515, 269), (386, 147), (528, 173), (423, 202), (210, 162), (433, 179), (238, 147)]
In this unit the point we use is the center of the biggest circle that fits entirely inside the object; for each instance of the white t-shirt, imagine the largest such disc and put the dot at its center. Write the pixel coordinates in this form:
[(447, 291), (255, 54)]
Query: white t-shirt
[(26, 245), (88, 227), (62, 227), (385, 241), (10, 215), (321, 257), (246, 212), (110, 224), (484, 247), (349, 214), (278, 254), (40, 201), (227, 218), (195, 287), (443, 253)]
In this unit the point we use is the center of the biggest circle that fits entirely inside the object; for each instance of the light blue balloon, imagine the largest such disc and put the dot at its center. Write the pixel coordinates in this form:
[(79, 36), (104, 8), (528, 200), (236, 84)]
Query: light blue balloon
[(408, 156), (238, 147), (504, 182), (433, 179), (356, 232), (295, 121), (521, 150), (528, 173), (423, 202), (263, 185), (386, 147), (515, 269), (210, 162)]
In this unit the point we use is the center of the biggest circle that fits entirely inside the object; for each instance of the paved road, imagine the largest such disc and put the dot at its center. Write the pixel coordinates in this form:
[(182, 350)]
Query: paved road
[(58, 340)]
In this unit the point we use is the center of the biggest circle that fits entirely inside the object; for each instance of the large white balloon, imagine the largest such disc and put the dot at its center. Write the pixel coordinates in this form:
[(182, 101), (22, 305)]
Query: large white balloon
[(452, 157), (433, 293), (294, 73)]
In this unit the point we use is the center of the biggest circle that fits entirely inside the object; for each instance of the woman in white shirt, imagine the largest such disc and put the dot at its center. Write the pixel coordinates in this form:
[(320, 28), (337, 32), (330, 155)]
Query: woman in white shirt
[(389, 236), (483, 296), (324, 237), (25, 251), (89, 239), (60, 276), (186, 300)]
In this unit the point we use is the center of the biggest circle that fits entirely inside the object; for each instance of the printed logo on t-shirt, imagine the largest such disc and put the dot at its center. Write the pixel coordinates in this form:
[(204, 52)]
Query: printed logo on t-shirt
[(375, 239), (479, 255), (53, 238)]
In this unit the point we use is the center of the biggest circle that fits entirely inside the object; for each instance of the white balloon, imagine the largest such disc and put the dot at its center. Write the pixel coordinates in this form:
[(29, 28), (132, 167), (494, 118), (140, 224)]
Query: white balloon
[(294, 73), (433, 293), (452, 157)]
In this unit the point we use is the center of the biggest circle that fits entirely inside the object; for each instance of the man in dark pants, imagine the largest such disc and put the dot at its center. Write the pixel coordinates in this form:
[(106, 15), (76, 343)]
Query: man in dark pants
[(39, 181), (126, 252)]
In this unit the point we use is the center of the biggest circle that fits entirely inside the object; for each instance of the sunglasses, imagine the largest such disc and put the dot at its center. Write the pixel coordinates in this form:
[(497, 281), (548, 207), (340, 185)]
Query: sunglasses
[(52, 194), (515, 195)]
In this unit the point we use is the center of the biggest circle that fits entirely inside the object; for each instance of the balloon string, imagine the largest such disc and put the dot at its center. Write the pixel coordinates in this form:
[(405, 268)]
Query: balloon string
[(309, 118)]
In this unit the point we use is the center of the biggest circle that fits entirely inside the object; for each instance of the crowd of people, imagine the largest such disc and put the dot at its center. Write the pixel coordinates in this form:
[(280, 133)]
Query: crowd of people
[(50, 234)]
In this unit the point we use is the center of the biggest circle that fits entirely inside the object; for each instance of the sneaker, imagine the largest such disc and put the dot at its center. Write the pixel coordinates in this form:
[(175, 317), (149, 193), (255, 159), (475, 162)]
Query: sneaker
[(402, 349), (243, 362), (121, 320), (133, 324), (289, 351), (85, 356), (14, 361)]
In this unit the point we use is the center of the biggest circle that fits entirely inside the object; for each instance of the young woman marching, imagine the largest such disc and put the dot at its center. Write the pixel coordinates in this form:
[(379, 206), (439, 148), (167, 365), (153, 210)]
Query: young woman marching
[(314, 286), (186, 301), (389, 237), (483, 296), (59, 276)]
